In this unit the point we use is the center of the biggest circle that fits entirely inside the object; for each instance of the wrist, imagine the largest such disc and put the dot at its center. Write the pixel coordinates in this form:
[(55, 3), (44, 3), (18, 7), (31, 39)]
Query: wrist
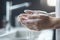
[(55, 22), (52, 21)]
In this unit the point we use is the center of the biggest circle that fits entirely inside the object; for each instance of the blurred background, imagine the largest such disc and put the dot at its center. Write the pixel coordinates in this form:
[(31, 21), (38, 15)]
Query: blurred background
[(31, 4), (10, 9)]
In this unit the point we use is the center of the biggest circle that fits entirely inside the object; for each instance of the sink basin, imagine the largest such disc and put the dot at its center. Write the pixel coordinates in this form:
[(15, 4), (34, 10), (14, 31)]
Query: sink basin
[(20, 34), (25, 34)]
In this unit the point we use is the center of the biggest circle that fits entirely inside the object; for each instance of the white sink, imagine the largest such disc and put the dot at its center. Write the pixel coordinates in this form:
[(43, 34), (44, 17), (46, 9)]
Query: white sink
[(25, 34), (20, 34)]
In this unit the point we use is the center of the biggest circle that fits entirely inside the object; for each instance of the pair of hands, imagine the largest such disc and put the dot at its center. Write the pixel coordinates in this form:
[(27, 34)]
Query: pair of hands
[(38, 20)]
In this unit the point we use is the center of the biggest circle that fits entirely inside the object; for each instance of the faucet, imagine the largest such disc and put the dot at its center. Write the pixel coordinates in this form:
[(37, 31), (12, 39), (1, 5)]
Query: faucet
[(9, 8)]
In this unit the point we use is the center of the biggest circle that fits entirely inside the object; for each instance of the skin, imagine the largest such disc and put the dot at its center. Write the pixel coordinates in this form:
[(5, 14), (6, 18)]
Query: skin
[(46, 21)]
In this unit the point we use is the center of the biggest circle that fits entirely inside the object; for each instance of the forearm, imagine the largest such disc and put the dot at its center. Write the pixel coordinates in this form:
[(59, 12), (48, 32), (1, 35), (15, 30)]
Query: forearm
[(55, 22)]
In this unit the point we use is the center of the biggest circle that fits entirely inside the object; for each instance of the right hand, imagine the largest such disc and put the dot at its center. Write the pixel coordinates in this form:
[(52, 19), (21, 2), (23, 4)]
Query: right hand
[(37, 20)]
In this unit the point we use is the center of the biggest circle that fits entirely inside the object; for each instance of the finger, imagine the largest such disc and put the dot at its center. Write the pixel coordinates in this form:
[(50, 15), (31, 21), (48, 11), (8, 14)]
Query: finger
[(28, 11), (39, 12), (25, 15), (20, 17), (32, 26), (35, 12), (33, 17), (36, 16)]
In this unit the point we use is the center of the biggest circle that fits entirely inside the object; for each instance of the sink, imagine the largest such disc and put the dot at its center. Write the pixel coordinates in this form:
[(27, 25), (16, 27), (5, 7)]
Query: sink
[(25, 34), (20, 34)]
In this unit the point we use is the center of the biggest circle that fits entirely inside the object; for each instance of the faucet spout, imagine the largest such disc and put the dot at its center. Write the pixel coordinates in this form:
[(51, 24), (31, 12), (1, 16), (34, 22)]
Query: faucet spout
[(9, 8)]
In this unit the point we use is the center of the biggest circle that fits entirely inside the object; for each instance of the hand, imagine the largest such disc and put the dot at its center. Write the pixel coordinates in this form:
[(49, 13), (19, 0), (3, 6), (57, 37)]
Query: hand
[(36, 20)]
